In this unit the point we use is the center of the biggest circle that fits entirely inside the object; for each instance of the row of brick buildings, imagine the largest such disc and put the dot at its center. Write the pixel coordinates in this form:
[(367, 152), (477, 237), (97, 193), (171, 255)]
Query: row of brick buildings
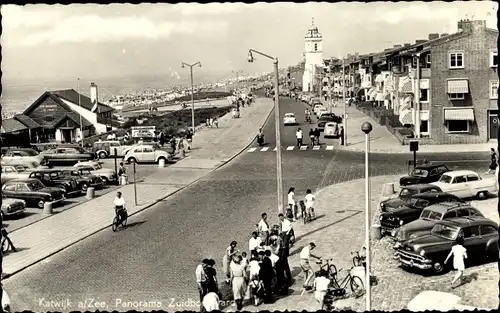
[(451, 78)]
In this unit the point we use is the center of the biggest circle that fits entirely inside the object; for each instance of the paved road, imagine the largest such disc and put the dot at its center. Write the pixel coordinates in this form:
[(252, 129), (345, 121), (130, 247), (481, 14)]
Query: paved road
[(155, 259)]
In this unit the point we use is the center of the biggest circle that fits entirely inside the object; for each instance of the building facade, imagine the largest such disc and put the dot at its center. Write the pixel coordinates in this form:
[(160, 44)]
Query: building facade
[(313, 52)]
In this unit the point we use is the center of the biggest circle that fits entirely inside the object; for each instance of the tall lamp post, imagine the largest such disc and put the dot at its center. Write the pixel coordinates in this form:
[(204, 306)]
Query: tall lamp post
[(367, 128), (343, 100), (279, 173), (192, 90), (80, 112)]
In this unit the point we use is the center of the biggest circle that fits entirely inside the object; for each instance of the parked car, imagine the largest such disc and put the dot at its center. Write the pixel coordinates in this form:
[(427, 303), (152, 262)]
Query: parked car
[(321, 111), (326, 119), (317, 107), (406, 192), (26, 165), (146, 154), (433, 214), (11, 206), (20, 156), (13, 172), (67, 155), (104, 149), (424, 174), (314, 100), (289, 119), (331, 130), (84, 178), (32, 191), (108, 176), (412, 208), (429, 252), (56, 178), (335, 118), (467, 184)]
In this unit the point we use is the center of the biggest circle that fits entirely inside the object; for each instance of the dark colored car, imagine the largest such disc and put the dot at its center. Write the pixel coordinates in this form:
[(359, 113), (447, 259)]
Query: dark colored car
[(84, 178), (56, 178), (424, 174), (325, 119), (32, 191), (67, 155), (433, 214), (429, 252), (406, 192), (411, 210)]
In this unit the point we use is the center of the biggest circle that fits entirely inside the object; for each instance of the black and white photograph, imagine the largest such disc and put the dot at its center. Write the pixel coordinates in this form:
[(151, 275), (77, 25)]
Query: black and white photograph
[(252, 157)]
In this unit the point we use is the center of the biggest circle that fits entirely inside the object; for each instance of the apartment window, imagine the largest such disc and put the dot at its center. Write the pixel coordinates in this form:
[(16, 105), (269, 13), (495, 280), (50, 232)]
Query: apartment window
[(424, 127), (456, 96), (494, 59), (428, 59), (315, 47), (494, 89), (424, 95), (456, 60), (457, 126)]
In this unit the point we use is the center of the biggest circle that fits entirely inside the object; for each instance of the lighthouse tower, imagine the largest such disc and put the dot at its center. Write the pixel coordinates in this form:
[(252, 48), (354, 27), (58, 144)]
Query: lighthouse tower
[(313, 56)]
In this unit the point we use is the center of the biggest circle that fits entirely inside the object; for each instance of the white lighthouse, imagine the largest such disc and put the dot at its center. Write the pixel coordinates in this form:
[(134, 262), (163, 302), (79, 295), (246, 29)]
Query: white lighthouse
[(313, 56)]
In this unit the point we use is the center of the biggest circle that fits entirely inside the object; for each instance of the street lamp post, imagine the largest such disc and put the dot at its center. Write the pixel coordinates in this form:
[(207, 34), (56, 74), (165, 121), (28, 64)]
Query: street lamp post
[(343, 100), (367, 128), (279, 171), (192, 90)]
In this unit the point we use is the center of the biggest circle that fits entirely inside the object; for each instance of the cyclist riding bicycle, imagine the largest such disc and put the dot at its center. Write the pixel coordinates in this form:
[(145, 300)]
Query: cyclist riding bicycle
[(120, 208)]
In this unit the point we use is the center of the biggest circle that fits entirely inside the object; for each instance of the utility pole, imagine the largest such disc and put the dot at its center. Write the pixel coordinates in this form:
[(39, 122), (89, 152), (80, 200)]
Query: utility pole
[(80, 111), (344, 120), (192, 90), (417, 100)]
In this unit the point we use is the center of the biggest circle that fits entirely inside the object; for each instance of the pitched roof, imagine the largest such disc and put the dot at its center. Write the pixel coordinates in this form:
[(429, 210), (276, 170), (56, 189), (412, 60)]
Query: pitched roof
[(11, 125), (72, 96), (75, 117), (27, 121)]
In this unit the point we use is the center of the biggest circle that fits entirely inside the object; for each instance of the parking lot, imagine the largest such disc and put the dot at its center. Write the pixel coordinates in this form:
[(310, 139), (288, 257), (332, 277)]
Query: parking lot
[(32, 215)]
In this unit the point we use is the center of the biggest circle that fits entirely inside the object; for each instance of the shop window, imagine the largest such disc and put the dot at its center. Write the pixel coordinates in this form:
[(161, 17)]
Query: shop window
[(424, 95), (456, 96), (457, 126), (456, 60), (424, 127), (494, 89), (494, 59)]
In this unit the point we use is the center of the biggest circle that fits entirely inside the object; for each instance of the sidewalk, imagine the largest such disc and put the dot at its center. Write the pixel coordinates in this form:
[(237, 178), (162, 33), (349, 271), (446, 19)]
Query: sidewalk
[(51, 235), (382, 141)]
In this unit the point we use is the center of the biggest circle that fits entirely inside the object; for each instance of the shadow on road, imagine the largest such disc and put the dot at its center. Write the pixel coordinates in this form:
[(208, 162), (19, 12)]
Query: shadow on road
[(134, 224)]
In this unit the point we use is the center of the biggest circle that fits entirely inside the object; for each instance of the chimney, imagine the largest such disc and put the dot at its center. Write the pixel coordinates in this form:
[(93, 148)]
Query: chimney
[(471, 26), (433, 36), (93, 94), (419, 41), (444, 34), (407, 44)]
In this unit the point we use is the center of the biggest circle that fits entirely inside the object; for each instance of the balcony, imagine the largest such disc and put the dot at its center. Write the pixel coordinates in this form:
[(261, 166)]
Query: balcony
[(425, 73)]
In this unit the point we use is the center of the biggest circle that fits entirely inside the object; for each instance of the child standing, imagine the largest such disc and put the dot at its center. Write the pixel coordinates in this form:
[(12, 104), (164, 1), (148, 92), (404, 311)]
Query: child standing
[(321, 284), (459, 255), (257, 290)]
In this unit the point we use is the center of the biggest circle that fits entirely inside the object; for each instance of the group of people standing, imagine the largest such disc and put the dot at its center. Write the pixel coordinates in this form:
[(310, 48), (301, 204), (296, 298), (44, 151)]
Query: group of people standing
[(177, 142)]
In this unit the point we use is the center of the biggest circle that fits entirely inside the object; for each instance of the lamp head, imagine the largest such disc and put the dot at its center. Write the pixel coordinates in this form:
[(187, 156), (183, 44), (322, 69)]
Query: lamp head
[(182, 65), (199, 64), (250, 57), (366, 127)]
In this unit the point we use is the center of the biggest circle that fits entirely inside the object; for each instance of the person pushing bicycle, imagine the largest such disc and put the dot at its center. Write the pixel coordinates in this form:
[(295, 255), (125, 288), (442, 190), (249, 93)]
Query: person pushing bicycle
[(120, 208), (305, 256)]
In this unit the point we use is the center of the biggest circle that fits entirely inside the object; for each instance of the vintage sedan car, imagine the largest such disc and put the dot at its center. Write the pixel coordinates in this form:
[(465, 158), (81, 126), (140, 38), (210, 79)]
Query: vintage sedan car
[(13, 172), (406, 192), (19, 156), (84, 178), (56, 178), (411, 210), (326, 118), (424, 174), (108, 176), (467, 184), (67, 155), (317, 107), (321, 111), (289, 119), (429, 252), (146, 154), (433, 214), (32, 191), (331, 130), (11, 206), (104, 149)]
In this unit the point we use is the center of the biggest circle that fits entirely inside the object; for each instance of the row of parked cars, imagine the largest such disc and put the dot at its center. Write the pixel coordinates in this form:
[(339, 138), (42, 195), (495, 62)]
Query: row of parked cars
[(432, 210)]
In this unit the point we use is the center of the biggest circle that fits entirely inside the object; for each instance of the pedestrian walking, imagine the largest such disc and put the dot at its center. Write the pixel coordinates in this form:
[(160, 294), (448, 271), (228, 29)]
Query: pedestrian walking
[(172, 144), (231, 251), (305, 264), (459, 255), (189, 137), (266, 274), (253, 265), (210, 301), (286, 228), (256, 287), (292, 203), (216, 122), (309, 202), (5, 235), (238, 279), (317, 133), (201, 278), (494, 161), (263, 228), (162, 139), (211, 122), (299, 136), (320, 286), (341, 134), (121, 169), (211, 272), (254, 242), (312, 136), (207, 122)]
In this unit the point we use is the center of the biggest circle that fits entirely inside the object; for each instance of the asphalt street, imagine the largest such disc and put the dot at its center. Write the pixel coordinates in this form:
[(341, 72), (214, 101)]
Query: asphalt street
[(154, 259)]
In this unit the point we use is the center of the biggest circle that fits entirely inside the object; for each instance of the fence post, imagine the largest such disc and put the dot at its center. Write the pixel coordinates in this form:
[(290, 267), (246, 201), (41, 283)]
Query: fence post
[(135, 187)]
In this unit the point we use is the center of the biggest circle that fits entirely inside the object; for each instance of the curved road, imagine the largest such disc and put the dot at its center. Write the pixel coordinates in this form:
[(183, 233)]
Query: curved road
[(154, 259)]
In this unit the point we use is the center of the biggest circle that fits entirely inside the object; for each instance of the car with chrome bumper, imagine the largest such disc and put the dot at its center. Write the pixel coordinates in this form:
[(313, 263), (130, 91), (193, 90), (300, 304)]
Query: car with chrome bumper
[(11, 206), (20, 156), (424, 174), (84, 180), (429, 252), (467, 184), (33, 192), (405, 193), (108, 176), (289, 119), (56, 178), (67, 155)]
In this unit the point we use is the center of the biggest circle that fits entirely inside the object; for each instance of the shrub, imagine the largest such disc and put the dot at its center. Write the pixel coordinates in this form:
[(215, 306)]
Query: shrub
[(202, 96)]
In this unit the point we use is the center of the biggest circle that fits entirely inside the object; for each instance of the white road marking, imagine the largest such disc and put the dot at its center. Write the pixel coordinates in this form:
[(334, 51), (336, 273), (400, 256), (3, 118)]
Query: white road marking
[(329, 147), (316, 147), (303, 147), (290, 148), (275, 148), (264, 149), (252, 149)]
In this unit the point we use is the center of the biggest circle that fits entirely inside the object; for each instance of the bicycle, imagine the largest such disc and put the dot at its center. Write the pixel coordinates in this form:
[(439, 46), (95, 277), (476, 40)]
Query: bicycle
[(328, 267), (6, 243), (358, 260), (117, 220), (306, 216), (355, 282)]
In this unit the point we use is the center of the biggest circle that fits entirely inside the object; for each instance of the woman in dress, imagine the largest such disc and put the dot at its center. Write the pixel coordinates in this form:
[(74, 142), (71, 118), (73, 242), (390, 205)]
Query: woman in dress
[(459, 255), (292, 202), (226, 260), (493, 163), (238, 279)]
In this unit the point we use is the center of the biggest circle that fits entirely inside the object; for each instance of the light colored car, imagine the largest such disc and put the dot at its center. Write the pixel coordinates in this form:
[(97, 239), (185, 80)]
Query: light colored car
[(104, 149), (289, 119), (107, 175), (467, 184), (11, 206), (316, 107), (21, 156), (146, 154), (321, 111), (13, 172), (331, 130)]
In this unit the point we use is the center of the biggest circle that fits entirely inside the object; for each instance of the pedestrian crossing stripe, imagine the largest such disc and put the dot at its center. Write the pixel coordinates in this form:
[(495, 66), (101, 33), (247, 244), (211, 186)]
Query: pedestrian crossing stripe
[(303, 147), (275, 148), (329, 147), (290, 148), (316, 147), (252, 149), (264, 149)]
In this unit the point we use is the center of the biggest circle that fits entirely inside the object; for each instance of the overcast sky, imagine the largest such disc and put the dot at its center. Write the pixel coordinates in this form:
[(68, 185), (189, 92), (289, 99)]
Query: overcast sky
[(65, 41)]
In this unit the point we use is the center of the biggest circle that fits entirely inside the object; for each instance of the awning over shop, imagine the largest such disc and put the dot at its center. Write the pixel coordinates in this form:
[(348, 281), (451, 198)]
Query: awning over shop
[(406, 117), (458, 86), (372, 93), (379, 97), (407, 87), (424, 115), (405, 104), (461, 114)]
